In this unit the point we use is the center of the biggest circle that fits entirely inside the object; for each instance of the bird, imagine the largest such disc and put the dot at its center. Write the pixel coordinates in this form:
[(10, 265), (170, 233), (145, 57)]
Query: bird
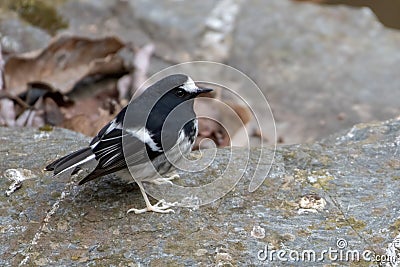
[(144, 141)]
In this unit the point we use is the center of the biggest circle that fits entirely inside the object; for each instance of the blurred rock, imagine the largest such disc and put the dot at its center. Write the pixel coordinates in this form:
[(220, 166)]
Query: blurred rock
[(175, 27), (322, 68), (19, 37), (51, 221), (387, 11), (314, 62)]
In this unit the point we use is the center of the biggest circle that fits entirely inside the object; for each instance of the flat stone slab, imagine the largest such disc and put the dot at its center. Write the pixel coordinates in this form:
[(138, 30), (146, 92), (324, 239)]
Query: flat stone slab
[(338, 194)]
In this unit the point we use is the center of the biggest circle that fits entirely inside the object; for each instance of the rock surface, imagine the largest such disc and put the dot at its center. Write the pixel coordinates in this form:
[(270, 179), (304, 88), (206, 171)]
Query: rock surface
[(339, 193)]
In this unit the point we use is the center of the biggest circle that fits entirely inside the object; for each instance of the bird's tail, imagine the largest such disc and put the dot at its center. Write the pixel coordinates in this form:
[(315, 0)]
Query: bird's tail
[(71, 162)]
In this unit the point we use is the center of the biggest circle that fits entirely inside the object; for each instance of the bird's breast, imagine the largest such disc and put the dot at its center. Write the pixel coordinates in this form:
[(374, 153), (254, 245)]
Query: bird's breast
[(190, 130)]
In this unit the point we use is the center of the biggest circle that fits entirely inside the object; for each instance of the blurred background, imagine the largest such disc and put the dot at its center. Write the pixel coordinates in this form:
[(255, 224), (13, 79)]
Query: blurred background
[(322, 65)]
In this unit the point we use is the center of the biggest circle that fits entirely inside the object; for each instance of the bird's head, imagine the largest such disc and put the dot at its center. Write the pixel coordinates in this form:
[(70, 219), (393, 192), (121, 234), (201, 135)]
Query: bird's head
[(178, 88)]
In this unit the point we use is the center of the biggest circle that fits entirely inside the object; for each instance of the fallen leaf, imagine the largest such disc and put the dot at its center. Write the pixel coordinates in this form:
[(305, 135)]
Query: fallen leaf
[(64, 63), (220, 121), (32, 117), (91, 112), (52, 112), (88, 125), (131, 84)]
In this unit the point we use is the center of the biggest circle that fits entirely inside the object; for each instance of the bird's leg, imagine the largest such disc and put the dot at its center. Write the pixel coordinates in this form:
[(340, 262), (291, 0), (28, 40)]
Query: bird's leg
[(161, 206), (162, 180)]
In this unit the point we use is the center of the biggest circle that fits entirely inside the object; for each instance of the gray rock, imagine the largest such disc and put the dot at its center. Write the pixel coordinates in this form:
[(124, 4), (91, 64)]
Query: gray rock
[(19, 37), (337, 193), (175, 27), (322, 68)]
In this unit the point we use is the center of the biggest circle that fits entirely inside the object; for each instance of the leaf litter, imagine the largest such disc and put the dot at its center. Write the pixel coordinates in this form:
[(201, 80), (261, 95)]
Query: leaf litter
[(80, 84)]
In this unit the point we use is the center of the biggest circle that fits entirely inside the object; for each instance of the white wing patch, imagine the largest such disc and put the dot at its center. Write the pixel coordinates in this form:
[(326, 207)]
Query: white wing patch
[(110, 160), (189, 86), (77, 164), (113, 125), (144, 135)]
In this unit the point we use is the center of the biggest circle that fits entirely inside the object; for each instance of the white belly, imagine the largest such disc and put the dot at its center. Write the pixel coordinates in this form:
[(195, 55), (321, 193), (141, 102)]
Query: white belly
[(161, 164)]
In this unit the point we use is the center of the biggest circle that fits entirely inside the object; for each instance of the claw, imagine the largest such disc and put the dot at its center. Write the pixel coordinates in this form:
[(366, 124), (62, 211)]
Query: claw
[(160, 181), (167, 180), (160, 207), (164, 208)]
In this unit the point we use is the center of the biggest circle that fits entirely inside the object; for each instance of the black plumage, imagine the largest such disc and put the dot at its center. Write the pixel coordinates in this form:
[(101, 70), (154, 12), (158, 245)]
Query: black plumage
[(143, 133)]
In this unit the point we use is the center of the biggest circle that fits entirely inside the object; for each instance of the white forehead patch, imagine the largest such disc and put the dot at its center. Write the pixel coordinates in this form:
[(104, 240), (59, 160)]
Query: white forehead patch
[(189, 86)]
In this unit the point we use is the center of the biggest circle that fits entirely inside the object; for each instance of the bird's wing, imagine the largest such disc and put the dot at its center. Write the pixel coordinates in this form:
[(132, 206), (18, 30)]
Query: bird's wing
[(114, 147)]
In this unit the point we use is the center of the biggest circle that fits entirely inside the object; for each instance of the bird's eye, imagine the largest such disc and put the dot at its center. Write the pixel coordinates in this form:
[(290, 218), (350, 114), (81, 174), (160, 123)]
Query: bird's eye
[(180, 93)]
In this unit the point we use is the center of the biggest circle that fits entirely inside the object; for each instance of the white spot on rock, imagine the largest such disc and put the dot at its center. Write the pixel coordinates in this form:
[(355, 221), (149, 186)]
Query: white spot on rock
[(258, 232), (17, 176), (311, 203), (201, 252), (41, 135)]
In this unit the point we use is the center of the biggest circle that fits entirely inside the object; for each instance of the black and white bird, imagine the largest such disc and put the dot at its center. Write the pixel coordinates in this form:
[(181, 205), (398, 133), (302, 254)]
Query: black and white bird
[(148, 136)]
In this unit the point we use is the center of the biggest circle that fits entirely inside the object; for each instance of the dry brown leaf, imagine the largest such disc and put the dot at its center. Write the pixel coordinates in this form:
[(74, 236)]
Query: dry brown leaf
[(62, 64), (32, 117), (220, 121), (40, 101), (211, 130), (130, 84), (79, 123), (87, 124), (52, 112), (89, 114)]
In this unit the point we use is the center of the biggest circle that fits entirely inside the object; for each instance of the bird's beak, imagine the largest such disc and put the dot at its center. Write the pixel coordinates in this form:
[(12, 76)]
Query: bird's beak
[(201, 90)]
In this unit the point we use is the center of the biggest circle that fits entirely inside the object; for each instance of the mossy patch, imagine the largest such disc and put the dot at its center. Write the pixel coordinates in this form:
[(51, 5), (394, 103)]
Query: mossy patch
[(341, 222), (394, 164), (46, 128), (39, 13), (319, 178), (304, 233), (276, 239), (395, 226)]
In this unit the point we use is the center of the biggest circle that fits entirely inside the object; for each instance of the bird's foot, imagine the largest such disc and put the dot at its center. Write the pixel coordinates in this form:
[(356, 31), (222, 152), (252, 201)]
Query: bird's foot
[(160, 181), (161, 207)]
